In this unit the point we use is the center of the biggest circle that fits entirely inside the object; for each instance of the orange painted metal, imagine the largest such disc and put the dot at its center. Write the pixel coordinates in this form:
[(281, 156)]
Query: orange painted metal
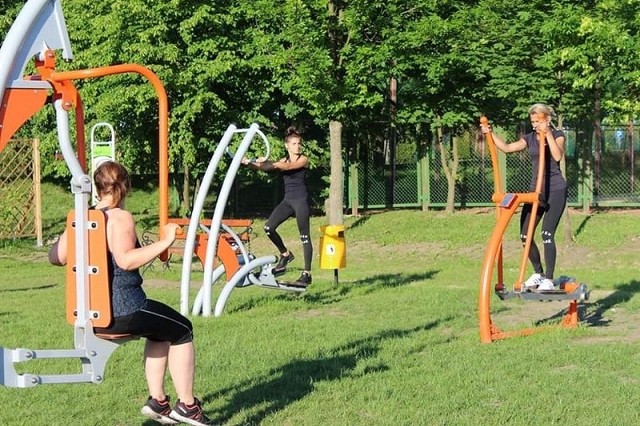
[(18, 106), (506, 206), (163, 122), (226, 253), (99, 294)]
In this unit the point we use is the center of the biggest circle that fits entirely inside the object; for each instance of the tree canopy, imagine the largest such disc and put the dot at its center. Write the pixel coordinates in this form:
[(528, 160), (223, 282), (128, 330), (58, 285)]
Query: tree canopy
[(310, 62)]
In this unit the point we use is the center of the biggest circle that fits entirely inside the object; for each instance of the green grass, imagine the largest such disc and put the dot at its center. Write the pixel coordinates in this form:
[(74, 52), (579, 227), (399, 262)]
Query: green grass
[(395, 342)]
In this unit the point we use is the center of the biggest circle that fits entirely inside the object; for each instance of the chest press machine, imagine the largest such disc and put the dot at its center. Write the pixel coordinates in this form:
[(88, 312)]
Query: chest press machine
[(37, 33)]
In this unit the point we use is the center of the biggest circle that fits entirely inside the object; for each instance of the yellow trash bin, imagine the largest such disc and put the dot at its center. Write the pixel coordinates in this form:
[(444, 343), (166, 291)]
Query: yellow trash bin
[(333, 253)]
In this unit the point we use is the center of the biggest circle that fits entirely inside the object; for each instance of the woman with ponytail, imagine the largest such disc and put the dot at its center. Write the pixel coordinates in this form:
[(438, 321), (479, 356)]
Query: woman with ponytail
[(293, 168), (554, 190)]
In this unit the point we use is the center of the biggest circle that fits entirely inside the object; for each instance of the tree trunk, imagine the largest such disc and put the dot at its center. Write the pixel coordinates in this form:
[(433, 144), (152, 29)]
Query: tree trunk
[(186, 193), (336, 189), (450, 168)]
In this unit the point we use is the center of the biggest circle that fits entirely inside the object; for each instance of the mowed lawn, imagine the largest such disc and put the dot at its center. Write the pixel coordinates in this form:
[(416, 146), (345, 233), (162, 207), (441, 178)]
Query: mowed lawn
[(394, 342)]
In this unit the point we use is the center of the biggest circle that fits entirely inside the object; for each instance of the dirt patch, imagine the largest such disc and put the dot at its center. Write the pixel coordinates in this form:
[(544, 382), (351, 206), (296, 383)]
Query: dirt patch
[(608, 320), (159, 283), (314, 313)]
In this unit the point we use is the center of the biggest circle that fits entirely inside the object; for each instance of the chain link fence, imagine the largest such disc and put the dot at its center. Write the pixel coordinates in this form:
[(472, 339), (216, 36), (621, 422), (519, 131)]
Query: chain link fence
[(607, 176)]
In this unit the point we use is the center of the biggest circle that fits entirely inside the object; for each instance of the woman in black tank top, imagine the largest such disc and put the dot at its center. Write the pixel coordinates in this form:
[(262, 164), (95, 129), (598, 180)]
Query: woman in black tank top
[(295, 204), (168, 334), (554, 190)]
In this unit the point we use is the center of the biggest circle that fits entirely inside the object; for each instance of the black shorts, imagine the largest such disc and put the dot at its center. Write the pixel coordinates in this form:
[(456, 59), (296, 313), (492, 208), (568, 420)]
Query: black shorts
[(155, 321)]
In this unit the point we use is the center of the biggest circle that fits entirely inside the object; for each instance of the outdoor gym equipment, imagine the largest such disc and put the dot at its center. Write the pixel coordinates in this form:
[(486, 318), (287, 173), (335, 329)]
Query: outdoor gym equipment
[(248, 269), (101, 151), (38, 31), (506, 205)]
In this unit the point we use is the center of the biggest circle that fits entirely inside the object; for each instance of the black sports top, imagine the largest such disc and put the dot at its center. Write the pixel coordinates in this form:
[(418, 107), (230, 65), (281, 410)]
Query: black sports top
[(553, 179), (294, 183), (127, 295)]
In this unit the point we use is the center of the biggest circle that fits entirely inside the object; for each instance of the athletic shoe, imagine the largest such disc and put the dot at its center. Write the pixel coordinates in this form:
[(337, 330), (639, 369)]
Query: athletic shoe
[(190, 414), (546, 284), (158, 411), (304, 280), (533, 281), (281, 266)]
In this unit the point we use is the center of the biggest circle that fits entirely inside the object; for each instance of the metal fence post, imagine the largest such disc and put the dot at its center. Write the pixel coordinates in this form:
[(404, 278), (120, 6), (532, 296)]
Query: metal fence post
[(354, 188)]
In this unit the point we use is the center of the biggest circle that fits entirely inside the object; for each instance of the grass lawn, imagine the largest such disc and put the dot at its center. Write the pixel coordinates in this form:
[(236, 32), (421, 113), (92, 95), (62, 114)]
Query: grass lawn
[(395, 342)]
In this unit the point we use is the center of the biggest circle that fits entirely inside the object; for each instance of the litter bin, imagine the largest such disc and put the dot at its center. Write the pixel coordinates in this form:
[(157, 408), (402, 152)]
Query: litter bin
[(333, 253)]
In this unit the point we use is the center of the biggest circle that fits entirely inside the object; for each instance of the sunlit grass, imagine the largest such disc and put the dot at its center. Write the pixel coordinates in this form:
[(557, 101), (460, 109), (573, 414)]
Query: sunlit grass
[(395, 342)]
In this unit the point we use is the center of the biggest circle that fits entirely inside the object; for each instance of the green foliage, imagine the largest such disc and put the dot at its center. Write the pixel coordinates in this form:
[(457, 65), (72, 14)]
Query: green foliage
[(306, 63)]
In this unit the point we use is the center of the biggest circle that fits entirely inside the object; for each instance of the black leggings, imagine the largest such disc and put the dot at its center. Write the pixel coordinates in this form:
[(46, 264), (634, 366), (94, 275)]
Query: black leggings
[(298, 207), (155, 321), (552, 212)]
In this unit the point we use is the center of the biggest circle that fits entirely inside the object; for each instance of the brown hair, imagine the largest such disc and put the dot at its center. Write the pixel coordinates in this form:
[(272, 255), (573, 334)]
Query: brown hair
[(292, 132), (112, 178)]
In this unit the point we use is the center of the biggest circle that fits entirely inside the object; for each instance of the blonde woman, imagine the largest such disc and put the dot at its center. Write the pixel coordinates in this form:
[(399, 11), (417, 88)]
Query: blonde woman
[(554, 190)]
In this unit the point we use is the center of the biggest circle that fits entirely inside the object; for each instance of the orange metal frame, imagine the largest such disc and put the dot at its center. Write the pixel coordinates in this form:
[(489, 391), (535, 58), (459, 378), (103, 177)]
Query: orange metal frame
[(21, 104), (506, 206), (225, 252), (98, 288)]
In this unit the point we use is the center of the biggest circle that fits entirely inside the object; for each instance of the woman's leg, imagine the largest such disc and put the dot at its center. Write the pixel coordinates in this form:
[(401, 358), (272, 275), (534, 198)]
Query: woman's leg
[(282, 212), (182, 369), (302, 213), (555, 207), (169, 343), (534, 253), (155, 367)]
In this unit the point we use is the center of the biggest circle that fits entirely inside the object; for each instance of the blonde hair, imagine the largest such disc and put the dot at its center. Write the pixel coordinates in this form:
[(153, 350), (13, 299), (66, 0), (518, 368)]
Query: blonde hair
[(112, 178), (540, 108)]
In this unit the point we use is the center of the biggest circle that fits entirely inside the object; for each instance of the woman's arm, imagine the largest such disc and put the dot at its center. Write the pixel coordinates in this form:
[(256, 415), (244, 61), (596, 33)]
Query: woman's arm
[(121, 239), (299, 163), (58, 251), (556, 145), (282, 164), (516, 146)]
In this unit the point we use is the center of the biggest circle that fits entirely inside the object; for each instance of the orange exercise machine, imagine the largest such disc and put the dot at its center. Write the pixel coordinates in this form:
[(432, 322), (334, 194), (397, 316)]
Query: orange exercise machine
[(38, 32), (506, 205)]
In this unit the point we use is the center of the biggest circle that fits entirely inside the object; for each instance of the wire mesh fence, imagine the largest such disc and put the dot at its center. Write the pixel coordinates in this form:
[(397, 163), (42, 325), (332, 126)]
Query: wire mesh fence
[(605, 176)]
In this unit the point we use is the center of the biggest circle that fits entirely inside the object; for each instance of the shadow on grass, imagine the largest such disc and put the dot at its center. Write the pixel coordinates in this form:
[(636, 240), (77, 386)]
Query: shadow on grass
[(582, 225), (41, 287), (592, 313), (263, 396), (340, 292), (360, 221)]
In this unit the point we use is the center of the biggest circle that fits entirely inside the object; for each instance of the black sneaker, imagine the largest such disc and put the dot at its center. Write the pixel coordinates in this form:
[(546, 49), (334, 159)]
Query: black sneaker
[(281, 266), (304, 280), (190, 414), (158, 411)]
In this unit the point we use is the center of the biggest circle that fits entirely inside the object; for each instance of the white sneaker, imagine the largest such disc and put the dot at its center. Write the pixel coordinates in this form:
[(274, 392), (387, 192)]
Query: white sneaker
[(533, 281), (546, 284)]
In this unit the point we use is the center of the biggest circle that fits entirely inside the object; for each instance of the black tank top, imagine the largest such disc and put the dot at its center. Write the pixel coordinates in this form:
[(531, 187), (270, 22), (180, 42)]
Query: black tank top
[(127, 295), (294, 183), (553, 179)]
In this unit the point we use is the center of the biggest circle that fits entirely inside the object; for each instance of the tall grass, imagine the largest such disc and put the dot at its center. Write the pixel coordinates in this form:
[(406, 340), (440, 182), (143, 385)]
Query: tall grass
[(395, 342)]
